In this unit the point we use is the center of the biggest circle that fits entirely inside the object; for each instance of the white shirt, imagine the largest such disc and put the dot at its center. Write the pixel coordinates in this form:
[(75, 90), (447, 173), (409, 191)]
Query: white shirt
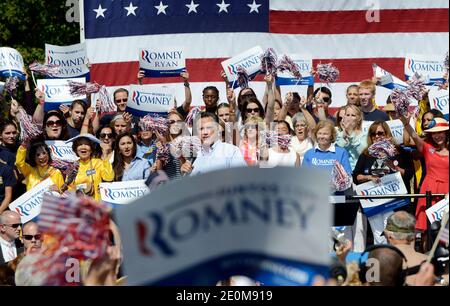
[(301, 147), (281, 159), (220, 155), (9, 250)]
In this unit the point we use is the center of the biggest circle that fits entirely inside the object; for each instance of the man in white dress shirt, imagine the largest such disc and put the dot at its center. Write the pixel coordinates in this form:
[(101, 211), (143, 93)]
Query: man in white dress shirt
[(215, 154), (10, 226)]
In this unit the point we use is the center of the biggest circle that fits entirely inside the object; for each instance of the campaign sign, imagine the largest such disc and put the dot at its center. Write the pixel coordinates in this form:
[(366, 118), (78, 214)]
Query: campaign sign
[(59, 149), (268, 224), (390, 184), (250, 60), (72, 60), (120, 193), (388, 80), (431, 67), (150, 100), (57, 92), (28, 205), (439, 100), (396, 127), (161, 63), (11, 63), (435, 212), (304, 64)]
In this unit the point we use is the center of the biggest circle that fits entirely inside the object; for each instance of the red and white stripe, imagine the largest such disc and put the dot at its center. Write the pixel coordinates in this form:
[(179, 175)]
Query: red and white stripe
[(336, 31)]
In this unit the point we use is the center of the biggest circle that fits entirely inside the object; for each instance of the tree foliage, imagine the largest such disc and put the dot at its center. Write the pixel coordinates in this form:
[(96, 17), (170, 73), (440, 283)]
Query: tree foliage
[(26, 25)]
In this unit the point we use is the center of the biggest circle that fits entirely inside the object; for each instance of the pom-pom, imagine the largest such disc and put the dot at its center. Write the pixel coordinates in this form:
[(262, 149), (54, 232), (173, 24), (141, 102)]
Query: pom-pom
[(327, 73), (242, 78), (154, 124), (340, 179), (82, 89), (287, 64), (383, 150), (105, 103), (446, 62), (192, 115), (416, 88), (185, 146), (401, 101), (11, 85), (28, 129), (274, 139), (48, 70), (163, 154), (68, 169), (269, 62)]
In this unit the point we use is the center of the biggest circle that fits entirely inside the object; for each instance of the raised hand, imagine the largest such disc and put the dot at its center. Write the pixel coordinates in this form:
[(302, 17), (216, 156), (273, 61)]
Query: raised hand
[(64, 108), (185, 76), (39, 95)]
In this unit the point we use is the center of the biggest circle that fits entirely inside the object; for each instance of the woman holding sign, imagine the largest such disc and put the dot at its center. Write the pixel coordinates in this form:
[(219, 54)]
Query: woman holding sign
[(92, 171), (370, 168), (436, 154), (128, 166), (36, 166)]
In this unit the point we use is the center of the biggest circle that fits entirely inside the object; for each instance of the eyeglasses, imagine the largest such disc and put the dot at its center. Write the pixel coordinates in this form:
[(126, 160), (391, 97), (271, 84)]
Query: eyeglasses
[(379, 134), (52, 123), (252, 110), (250, 95), (175, 121), (104, 135), (251, 126), (30, 237), (15, 225), (121, 100)]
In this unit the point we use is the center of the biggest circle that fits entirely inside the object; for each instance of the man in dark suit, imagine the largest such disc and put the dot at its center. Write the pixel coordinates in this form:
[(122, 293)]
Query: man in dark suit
[(10, 226)]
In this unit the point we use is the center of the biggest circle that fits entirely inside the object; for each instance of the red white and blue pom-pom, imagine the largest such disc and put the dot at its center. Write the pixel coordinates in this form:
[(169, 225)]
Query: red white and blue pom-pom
[(193, 113), (47, 70), (82, 89), (105, 103), (383, 150), (28, 129), (242, 78), (68, 168), (287, 64), (154, 124), (401, 101), (163, 154), (327, 73), (416, 88), (11, 85), (269, 62), (340, 179), (185, 146), (273, 139)]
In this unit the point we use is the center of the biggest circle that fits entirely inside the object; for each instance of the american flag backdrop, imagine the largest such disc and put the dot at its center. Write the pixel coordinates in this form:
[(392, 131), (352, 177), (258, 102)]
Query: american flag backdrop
[(352, 34)]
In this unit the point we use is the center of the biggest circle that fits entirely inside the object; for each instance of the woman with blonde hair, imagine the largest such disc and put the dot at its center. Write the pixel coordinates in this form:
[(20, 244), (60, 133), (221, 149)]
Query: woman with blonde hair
[(251, 143), (351, 137)]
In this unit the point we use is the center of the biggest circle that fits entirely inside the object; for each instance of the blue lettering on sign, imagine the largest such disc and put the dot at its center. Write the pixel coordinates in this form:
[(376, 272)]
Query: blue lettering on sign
[(153, 98), (250, 62), (441, 102), (62, 151), (67, 62), (124, 194), (52, 91), (24, 209), (163, 231), (426, 66), (391, 188)]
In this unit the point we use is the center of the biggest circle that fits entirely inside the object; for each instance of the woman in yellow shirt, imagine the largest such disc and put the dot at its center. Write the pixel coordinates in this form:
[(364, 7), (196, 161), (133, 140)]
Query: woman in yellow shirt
[(92, 171), (36, 168)]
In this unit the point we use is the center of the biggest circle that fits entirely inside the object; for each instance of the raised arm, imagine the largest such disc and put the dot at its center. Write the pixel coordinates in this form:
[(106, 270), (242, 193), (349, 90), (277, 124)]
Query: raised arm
[(187, 92), (38, 116), (417, 140), (270, 100)]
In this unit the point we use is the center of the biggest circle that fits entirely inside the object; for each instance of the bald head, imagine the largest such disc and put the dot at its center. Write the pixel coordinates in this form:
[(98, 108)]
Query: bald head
[(32, 238), (391, 266), (10, 225)]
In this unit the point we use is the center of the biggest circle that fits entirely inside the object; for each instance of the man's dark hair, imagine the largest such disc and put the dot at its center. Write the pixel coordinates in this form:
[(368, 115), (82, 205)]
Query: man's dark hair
[(119, 90), (213, 88), (391, 267), (325, 90), (209, 115)]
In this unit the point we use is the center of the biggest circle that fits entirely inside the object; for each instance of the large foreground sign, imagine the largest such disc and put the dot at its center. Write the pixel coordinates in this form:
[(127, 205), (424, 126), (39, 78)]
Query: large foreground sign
[(268, 224)]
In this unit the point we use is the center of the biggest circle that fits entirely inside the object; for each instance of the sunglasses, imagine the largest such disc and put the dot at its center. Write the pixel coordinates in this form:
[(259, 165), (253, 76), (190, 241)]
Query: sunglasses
[(121, 100), (378, 134), (104, 135), (16, 225), (252, 110), (250, 95), (175, 121), (52, 123), (30, 237)]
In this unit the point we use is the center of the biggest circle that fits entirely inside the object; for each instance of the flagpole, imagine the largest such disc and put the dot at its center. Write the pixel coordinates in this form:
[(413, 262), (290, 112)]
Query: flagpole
[(81, 14)]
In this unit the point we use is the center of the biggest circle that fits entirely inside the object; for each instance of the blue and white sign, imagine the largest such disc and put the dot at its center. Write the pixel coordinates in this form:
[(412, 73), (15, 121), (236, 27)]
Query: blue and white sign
[(59, 149), (121, 193), (304, 64), (430, 67), (57, 92), (150, 99), (390, 184), (160, 63), (28, 205), (250, 60), (435, 212), (387, 79), (11, 63), (396, 127), (439, 100), (271, 225), (72, 60)]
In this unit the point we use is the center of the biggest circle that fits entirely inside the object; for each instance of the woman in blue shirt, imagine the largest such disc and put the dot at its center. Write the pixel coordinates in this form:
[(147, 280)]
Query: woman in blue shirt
[(127, 166)]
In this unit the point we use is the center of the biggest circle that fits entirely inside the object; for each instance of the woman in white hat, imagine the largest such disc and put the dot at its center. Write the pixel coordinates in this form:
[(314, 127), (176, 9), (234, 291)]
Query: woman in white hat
[(436, 154)]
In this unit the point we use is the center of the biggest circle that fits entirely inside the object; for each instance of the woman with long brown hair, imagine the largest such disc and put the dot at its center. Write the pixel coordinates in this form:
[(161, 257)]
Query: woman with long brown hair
[(127, 166)]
